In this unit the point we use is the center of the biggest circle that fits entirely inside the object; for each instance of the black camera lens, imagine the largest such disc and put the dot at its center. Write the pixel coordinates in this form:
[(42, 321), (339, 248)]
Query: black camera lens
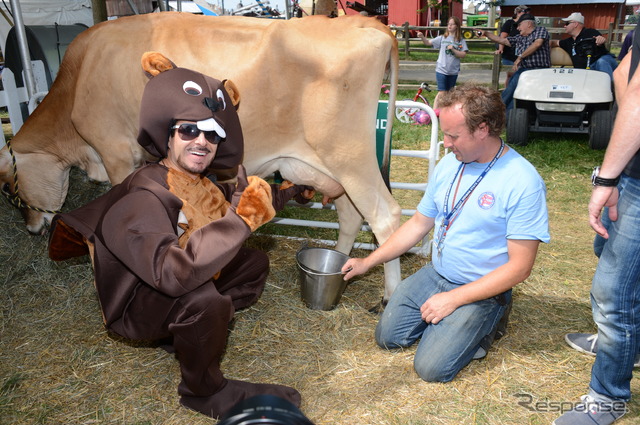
[(264, 410)]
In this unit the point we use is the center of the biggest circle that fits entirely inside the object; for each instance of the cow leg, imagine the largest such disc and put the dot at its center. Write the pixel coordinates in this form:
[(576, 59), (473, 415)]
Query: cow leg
[(392, 277), (382, 213), (350, 222)]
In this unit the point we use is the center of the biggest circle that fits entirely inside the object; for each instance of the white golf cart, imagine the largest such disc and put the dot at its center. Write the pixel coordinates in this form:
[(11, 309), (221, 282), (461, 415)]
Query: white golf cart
[(562, 100)]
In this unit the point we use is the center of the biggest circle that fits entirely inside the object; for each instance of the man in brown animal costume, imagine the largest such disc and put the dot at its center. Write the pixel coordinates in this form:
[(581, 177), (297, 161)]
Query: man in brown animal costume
[(167, 243)]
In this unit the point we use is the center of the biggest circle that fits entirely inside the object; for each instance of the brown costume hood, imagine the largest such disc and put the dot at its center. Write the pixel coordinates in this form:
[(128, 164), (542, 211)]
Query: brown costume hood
[(183, 94)]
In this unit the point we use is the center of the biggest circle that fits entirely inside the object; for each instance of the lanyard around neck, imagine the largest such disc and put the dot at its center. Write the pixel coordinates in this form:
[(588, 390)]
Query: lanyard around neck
[(450, 215)]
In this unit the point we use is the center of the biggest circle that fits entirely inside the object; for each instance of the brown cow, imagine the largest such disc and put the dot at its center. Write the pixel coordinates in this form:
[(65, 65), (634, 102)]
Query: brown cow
[(309, 92)]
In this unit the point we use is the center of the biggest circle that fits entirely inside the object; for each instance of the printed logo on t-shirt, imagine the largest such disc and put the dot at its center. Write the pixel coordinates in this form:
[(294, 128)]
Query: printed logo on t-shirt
[(486, 200), (457, 46)]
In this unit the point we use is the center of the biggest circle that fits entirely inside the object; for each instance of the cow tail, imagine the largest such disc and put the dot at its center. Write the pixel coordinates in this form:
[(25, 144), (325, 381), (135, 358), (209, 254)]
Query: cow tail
[(393, 64)]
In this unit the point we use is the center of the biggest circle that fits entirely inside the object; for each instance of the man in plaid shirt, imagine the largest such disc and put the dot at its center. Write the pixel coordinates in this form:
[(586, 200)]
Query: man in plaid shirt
[(532, 48)]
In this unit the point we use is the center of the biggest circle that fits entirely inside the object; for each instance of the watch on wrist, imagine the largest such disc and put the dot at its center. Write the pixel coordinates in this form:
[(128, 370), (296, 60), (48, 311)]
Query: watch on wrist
[(601, 181)]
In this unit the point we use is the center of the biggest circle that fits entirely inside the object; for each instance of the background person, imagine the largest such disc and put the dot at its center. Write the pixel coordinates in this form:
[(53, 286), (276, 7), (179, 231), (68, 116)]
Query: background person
[(510, 29), (614, 214), (532, 47), (626, 45), (453, 47), (487, 208), (577, 46), (167, 243)]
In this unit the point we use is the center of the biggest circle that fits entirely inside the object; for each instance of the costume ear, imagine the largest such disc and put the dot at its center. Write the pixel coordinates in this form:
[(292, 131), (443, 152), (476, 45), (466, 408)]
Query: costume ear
[(232, 91), (153, 63)]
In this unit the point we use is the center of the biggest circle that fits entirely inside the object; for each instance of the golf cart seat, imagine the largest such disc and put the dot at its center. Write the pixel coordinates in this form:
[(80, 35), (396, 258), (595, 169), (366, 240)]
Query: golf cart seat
[(560, 57)]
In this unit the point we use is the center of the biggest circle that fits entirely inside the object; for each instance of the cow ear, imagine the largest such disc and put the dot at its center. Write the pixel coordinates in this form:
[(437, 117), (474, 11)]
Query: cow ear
[(153, 63), (232, 91)]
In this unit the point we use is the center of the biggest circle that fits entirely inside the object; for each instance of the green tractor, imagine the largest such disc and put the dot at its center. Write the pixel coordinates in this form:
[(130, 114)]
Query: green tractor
[(475, 21)]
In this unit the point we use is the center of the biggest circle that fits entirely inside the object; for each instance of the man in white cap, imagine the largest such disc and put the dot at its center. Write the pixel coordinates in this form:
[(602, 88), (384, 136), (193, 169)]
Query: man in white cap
[(585, 46)]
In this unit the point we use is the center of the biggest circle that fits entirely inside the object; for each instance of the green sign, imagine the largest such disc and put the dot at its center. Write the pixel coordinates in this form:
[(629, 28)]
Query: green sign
[(381, 128)]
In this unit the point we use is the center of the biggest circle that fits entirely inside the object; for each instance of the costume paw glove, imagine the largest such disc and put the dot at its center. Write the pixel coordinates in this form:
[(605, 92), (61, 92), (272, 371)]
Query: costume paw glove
[(255, 203)]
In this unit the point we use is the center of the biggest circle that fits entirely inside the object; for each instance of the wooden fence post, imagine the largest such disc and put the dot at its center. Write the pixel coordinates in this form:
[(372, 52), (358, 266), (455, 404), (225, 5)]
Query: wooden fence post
[(610, 36), (406, 38), (495, 71)]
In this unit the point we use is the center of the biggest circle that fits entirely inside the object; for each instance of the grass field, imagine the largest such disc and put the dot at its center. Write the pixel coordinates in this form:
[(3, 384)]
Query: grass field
[(58, 365)]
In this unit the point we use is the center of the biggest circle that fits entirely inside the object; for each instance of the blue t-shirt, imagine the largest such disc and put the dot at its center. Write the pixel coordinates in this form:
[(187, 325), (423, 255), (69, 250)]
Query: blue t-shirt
[(509, 203)]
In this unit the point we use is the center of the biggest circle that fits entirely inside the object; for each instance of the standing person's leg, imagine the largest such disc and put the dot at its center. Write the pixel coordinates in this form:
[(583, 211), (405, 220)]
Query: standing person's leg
[(615, 298), (615, 301), (441, 80), (509, 63), (448, 82), (451, 81), (445, 83), (510, 89)]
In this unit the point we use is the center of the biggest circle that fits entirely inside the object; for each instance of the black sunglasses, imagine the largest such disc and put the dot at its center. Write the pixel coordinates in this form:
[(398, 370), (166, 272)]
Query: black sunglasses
[(189, 132)]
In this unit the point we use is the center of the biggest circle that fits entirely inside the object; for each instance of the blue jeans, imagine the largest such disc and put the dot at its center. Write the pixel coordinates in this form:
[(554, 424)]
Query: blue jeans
[(446, 82), (507, 93), (444, 349), (606, 63), (615, 296)]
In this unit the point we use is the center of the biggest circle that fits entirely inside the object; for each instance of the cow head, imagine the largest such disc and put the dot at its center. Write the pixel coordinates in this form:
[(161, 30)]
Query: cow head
[(33, 170)]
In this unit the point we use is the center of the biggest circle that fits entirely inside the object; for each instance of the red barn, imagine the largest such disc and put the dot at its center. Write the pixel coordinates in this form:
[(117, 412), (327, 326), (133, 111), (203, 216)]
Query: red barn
[(397, 12), (597, 14)]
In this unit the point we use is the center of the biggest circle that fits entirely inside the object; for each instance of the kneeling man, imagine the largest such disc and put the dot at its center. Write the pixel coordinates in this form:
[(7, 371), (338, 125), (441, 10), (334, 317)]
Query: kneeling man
[(486, 205)]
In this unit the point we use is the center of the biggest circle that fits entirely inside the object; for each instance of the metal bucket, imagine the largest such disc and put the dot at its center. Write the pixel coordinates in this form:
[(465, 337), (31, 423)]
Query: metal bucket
[(321, 281)]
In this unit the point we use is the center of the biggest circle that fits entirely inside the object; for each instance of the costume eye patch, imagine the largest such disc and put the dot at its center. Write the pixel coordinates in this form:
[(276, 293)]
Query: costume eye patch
[(192, 88)]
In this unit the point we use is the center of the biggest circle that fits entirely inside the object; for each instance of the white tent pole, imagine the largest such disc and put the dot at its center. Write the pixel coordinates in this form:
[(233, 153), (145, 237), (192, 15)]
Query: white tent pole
[(25, 57)]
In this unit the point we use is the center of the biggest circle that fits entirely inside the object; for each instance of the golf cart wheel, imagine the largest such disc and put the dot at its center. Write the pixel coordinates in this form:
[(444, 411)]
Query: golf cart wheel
[(600, 129), (518, 126), (405, 115)]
